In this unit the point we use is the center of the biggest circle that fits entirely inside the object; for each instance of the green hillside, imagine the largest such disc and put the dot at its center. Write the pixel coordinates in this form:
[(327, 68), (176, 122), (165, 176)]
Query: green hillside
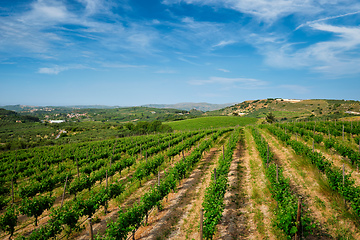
[(211, 122), (290, 109)]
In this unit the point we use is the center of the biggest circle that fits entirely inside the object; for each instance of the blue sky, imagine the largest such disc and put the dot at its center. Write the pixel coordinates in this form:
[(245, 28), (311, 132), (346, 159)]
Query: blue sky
[(133, 52)]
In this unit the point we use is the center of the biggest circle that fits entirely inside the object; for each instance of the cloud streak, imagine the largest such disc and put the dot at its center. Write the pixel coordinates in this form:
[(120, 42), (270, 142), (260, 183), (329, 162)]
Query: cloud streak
[(244, 83), (325, 19), (58, 69)]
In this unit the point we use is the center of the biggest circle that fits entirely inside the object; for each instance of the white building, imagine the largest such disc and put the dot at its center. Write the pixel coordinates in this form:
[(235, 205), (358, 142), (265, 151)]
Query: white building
[(56, 121)]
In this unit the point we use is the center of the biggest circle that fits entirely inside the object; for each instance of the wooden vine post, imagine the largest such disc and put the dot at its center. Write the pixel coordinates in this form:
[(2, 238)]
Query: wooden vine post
[(223, 152), (343, 133), (298, 220), (201, 223), (267, 161), (343, 174), (106, 186), (146, 218), (344, 180), (313, 146), (106, 178), (314, 128), (15, 163), (63, 196), (159, 178), (12, 191), (90, 230), (77, 166), (215, 175)]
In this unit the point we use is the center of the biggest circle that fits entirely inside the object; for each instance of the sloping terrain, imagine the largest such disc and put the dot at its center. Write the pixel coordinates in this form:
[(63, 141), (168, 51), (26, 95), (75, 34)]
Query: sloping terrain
[(284, 109)]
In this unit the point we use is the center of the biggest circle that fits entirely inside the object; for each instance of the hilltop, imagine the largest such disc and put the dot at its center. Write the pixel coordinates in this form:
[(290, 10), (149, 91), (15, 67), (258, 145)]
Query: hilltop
[(285, 109)]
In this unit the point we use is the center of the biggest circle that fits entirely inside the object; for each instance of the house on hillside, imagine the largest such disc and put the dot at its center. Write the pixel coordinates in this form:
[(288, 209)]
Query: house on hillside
[(56, 121)]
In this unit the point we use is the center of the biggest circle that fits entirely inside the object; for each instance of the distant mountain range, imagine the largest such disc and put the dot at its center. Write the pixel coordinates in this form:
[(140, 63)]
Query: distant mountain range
[(205, 107)]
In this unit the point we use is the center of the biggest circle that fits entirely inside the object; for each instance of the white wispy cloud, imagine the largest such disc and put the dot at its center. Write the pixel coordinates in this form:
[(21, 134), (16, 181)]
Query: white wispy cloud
[(325, 19), (223, 70), (96, 6), (58, 69), (264, 10), (166, 71), (188, 61), (46, 25), (245, 83), (121, 65), (337, 55), (224, 43)]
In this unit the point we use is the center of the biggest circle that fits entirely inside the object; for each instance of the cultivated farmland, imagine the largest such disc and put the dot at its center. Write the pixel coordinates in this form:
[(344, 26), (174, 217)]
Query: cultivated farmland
[(267, 181)]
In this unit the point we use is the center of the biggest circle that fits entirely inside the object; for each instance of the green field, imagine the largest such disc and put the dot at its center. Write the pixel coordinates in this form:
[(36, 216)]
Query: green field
[(211, 122)]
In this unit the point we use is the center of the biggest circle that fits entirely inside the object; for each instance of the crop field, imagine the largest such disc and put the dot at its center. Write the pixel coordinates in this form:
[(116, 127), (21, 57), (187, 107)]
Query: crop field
[(272, 181), (211, 122)]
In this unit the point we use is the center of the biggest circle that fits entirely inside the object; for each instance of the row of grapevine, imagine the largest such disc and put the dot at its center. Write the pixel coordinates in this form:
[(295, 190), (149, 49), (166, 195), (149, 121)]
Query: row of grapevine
[(50, 180), (286, 211), (330, 142), (337, 130), (52, 229), (21, 163), (338, 181), (214, 197), (130, 219)]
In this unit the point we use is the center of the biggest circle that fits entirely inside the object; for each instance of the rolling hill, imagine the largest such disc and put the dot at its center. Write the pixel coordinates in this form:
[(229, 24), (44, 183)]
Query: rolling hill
[(285, 109)]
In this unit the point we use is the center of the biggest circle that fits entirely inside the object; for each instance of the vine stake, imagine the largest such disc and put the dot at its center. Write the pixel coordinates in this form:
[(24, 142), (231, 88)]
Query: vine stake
[(90, 229), (201, 223), (344, 181), (63, 196), (267, 161), (215, 175), (298, 220), (12, 191)]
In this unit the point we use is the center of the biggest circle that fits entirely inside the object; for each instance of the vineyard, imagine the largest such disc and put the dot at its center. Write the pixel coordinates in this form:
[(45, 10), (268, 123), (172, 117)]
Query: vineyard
[(293, 180)]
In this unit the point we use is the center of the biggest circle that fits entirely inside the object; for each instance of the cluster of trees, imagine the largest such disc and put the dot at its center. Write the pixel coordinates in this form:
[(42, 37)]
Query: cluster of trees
[(7, 116), (27, 135)]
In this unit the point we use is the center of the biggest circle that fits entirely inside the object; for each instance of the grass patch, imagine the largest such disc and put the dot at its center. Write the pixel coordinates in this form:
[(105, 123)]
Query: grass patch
[(211, 122), (259, 219)]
